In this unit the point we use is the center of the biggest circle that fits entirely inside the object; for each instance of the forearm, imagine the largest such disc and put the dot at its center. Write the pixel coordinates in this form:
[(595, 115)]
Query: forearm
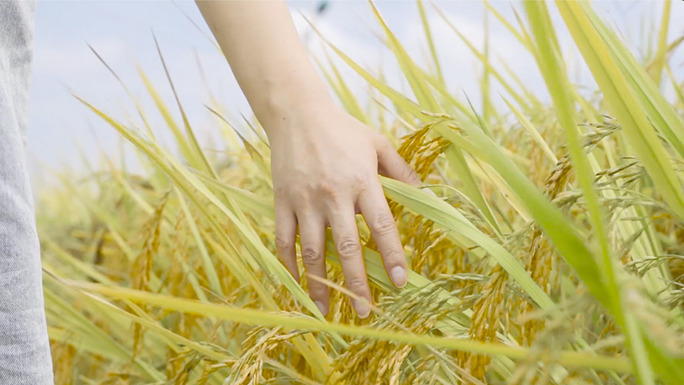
[(267, 57)]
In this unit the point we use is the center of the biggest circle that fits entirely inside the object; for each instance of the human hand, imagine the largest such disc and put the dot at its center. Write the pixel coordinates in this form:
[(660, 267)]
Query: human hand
[(325, 167), (325, 163)]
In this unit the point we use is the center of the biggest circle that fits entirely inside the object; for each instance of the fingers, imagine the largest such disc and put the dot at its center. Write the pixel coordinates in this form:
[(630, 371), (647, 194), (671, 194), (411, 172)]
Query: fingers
[(286, 232), (312, 239), (381, 223), (346, 236), (391, 164)]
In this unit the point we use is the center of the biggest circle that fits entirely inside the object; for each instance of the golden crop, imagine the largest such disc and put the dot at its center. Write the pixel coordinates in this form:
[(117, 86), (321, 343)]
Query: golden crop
[(551, 249)]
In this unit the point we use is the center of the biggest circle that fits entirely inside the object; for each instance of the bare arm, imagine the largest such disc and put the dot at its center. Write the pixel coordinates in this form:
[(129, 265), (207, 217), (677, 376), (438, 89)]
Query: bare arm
[(325, 163), (264, 51)]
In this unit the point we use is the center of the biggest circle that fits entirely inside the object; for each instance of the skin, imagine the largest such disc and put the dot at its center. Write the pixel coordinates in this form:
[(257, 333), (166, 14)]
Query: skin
[(325, 163)]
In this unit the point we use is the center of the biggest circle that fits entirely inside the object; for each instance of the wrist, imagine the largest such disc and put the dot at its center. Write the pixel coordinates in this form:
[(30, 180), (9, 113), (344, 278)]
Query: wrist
[(283, 111)]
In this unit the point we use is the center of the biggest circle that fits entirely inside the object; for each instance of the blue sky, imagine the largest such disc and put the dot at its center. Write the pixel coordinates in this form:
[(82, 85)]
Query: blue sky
[(121, 32)]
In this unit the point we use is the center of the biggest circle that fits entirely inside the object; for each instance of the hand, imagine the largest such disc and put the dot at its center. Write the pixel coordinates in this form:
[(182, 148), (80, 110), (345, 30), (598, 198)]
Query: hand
[(325, 167)]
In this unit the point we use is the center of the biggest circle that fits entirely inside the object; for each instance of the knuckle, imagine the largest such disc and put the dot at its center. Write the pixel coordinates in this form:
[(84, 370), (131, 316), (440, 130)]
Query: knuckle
[(300, 193), (349, 248), (384, 224), (360, 182), (394, 256), (311, 256), (283, 243), (280, 193), (356, 284), (317, 291), (279, 190), (383, 144), (329, 188)]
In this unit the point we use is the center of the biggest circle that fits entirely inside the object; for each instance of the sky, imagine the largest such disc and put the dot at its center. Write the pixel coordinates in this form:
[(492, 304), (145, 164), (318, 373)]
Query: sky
[(64, 135)]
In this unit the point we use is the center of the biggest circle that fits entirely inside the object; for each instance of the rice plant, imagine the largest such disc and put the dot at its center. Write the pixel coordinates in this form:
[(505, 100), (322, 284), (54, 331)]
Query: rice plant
[(546, 244)]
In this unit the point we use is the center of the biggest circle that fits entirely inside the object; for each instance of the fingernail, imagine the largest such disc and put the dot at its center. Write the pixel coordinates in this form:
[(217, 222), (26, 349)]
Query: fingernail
[(362, 310), (321, 307), (398, 275)]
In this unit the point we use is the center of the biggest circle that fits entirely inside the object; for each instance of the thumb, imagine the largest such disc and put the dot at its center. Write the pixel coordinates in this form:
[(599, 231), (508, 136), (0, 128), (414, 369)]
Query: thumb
[(392, 165)]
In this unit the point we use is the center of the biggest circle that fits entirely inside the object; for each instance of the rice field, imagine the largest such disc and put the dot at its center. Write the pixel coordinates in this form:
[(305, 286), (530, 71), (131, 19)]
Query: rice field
[(546, 244)]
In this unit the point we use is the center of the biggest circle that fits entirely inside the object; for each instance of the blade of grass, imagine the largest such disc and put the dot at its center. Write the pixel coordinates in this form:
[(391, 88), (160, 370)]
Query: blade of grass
[(629, 112), (430, 40), (262, 318), (660, 56)]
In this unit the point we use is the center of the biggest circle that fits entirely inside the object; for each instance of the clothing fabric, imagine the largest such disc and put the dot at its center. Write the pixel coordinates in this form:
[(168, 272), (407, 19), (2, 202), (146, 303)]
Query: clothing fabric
[(24, 343)]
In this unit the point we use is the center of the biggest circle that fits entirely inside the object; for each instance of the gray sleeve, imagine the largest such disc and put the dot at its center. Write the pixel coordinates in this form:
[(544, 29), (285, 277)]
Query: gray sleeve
[(24, 344)]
